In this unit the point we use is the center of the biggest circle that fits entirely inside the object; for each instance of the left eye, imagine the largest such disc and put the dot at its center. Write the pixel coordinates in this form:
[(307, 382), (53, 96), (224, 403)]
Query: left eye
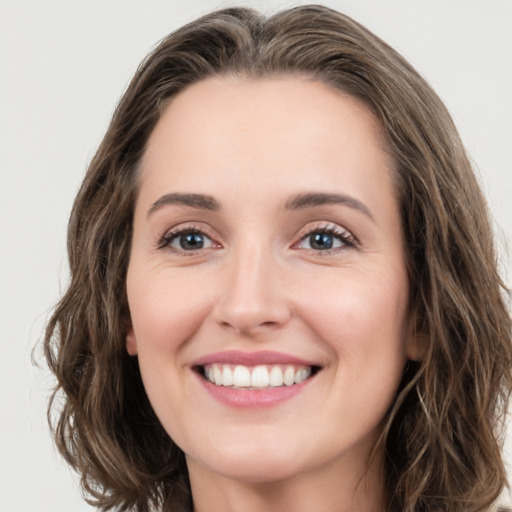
[(324, 241)]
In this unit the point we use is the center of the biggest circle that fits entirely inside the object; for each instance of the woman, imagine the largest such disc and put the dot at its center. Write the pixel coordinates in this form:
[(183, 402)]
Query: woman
[(283, 285)]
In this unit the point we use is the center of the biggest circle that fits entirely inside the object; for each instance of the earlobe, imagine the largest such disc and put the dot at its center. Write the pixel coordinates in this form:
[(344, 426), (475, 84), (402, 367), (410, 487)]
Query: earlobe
[(417, 344), (417, 341), (131, 342), (417, 347)]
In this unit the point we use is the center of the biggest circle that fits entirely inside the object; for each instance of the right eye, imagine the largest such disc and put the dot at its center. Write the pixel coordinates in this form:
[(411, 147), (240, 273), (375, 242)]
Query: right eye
[(186, 239)]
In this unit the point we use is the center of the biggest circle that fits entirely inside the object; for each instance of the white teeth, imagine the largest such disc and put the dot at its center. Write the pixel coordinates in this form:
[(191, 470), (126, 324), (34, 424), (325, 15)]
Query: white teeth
[(260, 377), (289, 376), (276, 376), (217, 375), (257, 377), (241, 377), (302, 374), (227, 375)]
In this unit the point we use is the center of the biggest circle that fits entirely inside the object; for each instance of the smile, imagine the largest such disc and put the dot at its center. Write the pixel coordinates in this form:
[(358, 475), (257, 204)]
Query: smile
[(251, 380), (256, 377)]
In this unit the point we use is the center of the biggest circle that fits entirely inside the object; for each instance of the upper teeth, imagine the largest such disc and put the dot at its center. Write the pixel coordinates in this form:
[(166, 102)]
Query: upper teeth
[(261, 376)]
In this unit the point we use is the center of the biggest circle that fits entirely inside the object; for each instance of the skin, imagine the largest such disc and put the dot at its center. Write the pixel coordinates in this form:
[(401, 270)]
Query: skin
[(259, 284)]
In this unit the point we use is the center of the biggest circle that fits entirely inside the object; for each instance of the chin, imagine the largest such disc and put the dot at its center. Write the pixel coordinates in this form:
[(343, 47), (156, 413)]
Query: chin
[(257, 465)]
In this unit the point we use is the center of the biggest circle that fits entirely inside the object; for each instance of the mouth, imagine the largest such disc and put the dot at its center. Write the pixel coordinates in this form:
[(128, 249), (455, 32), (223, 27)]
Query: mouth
[(256, 377)]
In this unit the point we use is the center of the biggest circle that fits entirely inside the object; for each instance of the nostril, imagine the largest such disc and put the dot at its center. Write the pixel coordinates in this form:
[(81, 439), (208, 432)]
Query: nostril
[(248, 328), (251, 298), (268, 324)]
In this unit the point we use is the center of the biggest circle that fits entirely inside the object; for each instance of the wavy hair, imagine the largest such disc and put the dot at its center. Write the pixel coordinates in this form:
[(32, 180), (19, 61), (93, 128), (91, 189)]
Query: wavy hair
[(443, 433)]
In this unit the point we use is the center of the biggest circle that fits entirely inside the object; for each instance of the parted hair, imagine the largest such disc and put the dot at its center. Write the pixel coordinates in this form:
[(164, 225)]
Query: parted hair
[(443, 433)]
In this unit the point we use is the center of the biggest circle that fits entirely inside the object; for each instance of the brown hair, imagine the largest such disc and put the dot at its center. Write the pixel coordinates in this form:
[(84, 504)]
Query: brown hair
[(442, 435)]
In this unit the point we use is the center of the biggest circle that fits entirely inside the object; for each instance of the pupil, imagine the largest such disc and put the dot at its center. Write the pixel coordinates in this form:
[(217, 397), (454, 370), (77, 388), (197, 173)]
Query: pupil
[(321, 241), (191, 241)]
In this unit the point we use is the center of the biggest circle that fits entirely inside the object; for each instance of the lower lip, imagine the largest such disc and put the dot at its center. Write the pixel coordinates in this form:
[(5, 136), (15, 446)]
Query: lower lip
[(253, 398)]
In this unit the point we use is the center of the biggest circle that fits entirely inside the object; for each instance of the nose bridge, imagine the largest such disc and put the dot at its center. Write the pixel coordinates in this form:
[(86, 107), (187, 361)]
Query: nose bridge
[(252, 296), (252, 276)]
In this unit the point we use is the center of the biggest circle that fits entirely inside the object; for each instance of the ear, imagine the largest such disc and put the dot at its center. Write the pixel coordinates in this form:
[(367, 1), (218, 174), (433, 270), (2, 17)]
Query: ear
[(417, 341), (131, 342), (417, 347)]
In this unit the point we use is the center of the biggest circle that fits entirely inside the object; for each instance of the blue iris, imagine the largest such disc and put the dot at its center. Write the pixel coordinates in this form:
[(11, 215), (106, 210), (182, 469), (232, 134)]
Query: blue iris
[(321, 241), (191, 241)]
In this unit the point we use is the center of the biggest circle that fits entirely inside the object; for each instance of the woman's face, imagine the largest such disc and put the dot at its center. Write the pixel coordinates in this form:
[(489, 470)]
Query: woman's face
[(267, 250)]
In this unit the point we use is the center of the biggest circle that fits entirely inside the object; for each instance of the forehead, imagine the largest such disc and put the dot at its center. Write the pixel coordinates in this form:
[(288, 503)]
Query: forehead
[(240, 100), (292, 131)]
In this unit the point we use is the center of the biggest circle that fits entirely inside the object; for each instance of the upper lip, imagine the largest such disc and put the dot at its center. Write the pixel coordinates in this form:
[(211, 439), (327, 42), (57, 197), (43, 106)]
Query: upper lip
[(264, 357)]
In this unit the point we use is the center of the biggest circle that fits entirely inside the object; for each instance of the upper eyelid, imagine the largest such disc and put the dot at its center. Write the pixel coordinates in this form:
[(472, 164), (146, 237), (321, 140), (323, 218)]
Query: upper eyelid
[(346, 235), (305, 231), (324, 226), (180, 229), (184, 227)]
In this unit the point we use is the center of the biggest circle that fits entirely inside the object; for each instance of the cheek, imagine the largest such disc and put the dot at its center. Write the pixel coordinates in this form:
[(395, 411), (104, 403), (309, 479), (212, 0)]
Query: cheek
[(165, 314), (361, 315), (165, 310)]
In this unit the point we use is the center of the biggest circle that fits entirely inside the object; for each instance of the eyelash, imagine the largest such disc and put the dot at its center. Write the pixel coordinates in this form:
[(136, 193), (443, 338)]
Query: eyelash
[(346, 238), (169, 237)]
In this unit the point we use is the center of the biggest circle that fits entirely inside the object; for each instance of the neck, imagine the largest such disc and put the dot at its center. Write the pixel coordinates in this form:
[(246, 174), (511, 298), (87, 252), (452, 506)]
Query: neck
[(325, 489)]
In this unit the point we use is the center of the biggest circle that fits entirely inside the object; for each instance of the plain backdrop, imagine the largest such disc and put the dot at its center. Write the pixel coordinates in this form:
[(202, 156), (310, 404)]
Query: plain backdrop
[(64, 65)]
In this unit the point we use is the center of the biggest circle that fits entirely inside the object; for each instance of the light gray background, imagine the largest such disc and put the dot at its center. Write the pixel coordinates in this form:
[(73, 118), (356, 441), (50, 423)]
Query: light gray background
[(63, 66)]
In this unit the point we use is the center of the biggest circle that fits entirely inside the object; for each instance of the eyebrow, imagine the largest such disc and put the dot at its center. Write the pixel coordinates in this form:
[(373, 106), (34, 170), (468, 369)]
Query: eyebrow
[(297, 202), (200, 201), (311, 199)]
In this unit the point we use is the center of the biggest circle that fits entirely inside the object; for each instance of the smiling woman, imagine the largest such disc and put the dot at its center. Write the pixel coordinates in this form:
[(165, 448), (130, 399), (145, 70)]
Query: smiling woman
[(278, 279), (283, 288)]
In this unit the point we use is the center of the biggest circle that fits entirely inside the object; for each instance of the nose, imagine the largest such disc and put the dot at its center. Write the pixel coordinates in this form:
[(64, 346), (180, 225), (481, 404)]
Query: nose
[(253, 299)]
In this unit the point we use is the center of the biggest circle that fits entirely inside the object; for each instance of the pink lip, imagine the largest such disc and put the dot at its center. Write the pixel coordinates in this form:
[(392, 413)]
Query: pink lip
[(251, 358), (253, 398)]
